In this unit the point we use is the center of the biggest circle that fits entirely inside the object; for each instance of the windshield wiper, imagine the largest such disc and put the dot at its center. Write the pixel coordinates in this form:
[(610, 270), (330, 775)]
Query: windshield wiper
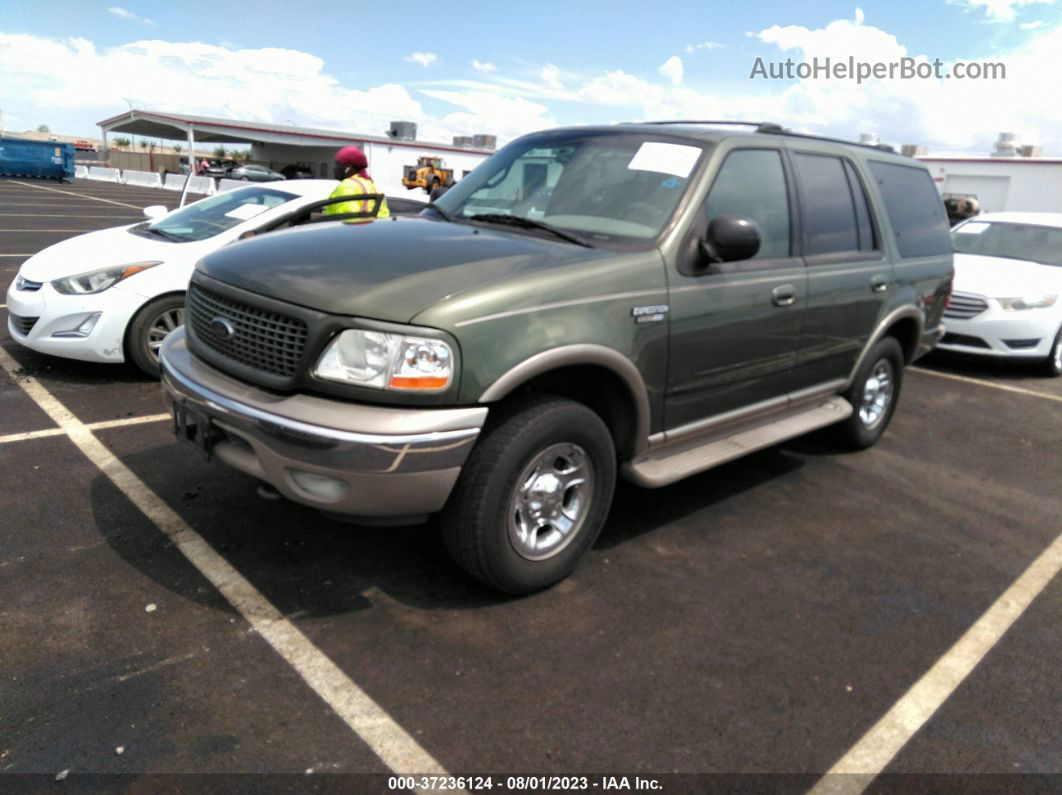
[(527, 223), (164, 234)]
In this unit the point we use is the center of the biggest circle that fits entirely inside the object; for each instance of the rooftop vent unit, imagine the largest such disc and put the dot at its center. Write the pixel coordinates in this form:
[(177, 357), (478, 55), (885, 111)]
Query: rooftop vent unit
[(1006, 145), (869, 138), (485, 141), (913, 150), (464, 141), (403, 131), (1030, 151)]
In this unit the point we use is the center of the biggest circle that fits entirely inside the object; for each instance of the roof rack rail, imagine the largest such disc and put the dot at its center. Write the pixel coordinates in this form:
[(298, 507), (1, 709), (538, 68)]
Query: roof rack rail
[(771, 128), (761, 126)]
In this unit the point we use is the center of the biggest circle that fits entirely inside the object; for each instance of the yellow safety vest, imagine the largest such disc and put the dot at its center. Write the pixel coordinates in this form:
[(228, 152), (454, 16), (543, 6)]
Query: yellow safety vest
[(356, 186)]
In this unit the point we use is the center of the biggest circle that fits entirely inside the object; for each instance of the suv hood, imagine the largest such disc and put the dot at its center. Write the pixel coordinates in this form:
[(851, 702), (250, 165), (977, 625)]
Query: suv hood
[(387, 270), (1001, 277)]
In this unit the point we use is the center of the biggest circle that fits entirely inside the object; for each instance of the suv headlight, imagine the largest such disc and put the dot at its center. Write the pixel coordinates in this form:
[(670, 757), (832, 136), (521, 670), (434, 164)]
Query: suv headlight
[(97, 281), (387, 361), (1027, 302)]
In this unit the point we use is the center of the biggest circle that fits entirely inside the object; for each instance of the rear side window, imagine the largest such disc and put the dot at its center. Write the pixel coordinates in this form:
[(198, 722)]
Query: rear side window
[(836, 214), (751, 184), (915, 209)]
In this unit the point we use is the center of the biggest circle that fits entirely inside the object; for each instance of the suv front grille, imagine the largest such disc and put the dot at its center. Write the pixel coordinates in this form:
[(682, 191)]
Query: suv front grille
[(963, 306), (23, 325), (261, 339)]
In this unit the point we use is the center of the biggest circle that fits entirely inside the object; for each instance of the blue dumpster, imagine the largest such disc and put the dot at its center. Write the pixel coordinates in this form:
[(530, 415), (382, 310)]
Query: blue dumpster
[(42, 159)]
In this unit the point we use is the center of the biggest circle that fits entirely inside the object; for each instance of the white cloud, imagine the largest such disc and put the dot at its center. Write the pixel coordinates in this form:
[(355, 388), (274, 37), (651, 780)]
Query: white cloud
[(423, 58), (672, 70), (125, 13), (1031, 25), (483, 66), (704, 45), (550, 75), (998, 10)]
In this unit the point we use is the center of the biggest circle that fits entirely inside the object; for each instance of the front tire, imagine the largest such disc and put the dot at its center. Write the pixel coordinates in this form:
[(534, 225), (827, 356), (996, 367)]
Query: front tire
[(873, 394), (149, 328), (1052, 366), (533, 495)]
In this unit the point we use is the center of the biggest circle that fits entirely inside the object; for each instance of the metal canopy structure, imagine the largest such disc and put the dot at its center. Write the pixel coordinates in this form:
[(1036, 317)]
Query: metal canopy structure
[(204, 129)]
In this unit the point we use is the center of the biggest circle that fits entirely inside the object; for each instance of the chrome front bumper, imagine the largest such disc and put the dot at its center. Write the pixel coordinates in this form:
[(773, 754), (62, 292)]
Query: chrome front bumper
[(351, 458)]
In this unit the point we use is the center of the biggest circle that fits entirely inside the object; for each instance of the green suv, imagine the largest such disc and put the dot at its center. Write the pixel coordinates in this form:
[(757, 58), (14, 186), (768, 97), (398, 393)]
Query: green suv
[(645, 300)]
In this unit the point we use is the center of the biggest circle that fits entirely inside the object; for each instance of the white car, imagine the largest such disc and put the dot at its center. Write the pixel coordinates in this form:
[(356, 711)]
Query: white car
[(114, 295), (1007, 290)]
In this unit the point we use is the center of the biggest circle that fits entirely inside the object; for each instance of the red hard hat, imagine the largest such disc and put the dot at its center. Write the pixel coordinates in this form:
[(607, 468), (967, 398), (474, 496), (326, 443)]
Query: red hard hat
[(353, 157)]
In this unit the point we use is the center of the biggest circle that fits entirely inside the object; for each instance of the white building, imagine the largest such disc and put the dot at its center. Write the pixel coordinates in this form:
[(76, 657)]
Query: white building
[(1013, 178), (277, 146)]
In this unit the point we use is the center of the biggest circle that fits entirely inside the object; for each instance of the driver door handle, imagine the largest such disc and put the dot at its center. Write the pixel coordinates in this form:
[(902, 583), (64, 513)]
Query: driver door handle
[(879, 283), (783, 295)]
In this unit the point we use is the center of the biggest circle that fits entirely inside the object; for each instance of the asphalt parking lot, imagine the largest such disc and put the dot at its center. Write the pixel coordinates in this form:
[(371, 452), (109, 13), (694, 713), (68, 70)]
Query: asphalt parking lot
[(760, 618)]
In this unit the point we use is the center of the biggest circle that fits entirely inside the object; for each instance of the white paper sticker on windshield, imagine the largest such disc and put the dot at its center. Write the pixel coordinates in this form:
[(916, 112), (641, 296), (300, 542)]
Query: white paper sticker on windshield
[(973, 228), (677, 159), (245, 212)]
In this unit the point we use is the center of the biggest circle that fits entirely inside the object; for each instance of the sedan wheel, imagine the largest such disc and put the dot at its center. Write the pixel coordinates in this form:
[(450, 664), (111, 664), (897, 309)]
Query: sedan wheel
[(149, 328)]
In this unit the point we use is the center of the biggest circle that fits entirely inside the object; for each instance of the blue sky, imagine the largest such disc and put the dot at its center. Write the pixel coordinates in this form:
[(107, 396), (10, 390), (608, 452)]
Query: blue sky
[(354, 66)]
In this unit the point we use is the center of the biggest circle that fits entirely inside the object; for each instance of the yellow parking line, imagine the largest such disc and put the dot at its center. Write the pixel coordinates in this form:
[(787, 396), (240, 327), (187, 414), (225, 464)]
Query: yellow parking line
[(1005, 387)]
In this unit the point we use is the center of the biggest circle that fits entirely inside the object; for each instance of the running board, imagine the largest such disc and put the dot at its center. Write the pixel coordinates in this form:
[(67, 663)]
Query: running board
[(669, 463)]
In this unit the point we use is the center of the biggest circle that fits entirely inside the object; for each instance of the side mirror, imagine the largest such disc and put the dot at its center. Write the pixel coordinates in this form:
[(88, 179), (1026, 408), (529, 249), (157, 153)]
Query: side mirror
[(731, 238), (155, 211)]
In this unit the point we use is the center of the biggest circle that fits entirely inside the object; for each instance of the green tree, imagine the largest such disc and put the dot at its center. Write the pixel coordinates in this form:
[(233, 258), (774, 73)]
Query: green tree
[(144, 143), (220, 152), (121, 142), (44, 128), (177, 149)]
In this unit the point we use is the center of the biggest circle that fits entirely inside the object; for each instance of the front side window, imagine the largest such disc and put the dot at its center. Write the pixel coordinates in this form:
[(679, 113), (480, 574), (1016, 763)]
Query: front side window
[(751, 184), (612, 188), (1030, 242), (209, 217)]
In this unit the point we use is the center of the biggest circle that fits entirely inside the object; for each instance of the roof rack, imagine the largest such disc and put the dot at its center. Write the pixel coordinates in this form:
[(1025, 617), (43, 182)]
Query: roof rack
[(770, 127)]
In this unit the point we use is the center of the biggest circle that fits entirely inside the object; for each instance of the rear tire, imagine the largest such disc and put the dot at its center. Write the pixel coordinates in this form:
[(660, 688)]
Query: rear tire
[(1052, 366), (149, 328), (533, 495), (873, 394)]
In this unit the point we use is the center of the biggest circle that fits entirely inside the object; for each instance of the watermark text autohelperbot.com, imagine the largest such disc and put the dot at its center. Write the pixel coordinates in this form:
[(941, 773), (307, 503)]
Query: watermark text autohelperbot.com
[(852, 69)]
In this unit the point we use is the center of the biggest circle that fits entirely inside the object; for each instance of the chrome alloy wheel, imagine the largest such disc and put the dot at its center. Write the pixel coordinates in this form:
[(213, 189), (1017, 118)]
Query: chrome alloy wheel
[(1056, 355), (551, 501), (877, 394), (162, 325)]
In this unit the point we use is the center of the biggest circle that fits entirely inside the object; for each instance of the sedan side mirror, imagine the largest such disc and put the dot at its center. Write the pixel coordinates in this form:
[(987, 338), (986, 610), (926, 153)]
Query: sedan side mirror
[(731, 238), (155, 211)]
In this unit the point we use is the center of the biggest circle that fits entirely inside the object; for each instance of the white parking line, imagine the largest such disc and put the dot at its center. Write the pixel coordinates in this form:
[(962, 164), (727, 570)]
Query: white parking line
[(854, 772), (92, 426), (62, 215), (389, 741), (79, 195), (16, 255), (1005, 387)]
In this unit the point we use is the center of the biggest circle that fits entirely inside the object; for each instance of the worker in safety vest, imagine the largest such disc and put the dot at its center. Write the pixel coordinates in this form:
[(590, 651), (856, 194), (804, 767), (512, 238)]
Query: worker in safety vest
[(350, 170)]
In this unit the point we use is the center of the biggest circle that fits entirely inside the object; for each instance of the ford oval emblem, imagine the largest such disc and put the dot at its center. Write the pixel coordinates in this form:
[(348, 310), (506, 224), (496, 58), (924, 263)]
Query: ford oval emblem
[(221, 328)]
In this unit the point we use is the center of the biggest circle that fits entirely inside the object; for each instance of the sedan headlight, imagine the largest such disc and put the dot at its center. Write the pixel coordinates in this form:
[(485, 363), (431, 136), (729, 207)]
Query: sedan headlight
[(387, 361), (1027, 302), (98, 281)]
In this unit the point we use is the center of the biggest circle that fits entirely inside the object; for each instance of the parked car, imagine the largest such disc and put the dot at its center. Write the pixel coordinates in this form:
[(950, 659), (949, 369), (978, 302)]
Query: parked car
[(683, 296), (219, 169), (1008, 280), (252, 172), (297, 172), (113, 295)]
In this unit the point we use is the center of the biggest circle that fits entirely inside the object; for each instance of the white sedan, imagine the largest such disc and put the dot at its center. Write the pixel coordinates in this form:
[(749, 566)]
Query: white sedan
[(114, 295), (1008, 282)]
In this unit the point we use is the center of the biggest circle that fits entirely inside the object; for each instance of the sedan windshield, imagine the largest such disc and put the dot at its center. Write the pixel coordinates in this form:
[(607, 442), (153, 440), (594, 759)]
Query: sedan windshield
[(1015, 241), (209, 217), (601, 188)]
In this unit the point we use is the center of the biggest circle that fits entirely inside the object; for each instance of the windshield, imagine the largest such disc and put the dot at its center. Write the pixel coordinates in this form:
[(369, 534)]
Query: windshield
[(603, 187), (209, 217), (1004, 239)]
